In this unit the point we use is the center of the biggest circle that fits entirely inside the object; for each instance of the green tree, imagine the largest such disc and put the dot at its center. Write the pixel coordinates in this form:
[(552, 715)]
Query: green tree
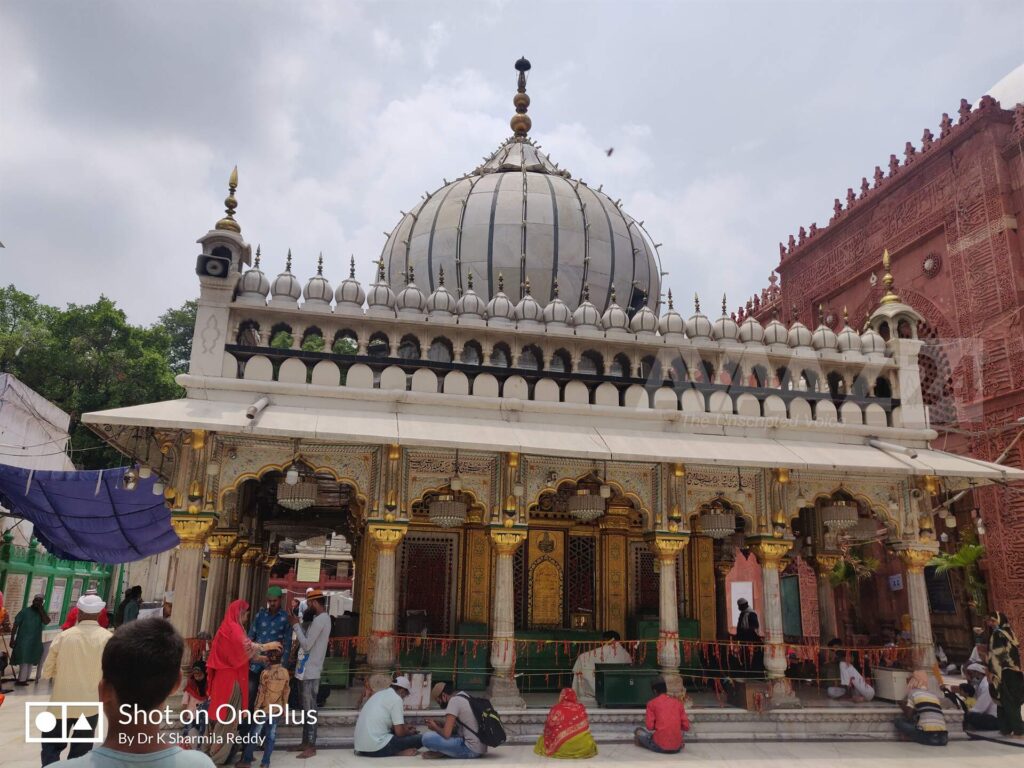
[(180, 324), (967, 558), (24, 323)]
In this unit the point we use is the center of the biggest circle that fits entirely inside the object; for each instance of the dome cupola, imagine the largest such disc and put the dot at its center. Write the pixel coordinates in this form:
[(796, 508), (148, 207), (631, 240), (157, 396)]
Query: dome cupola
[(615, 317), (349, 296), (470, 307), (751, 331), (285, 291), (318, 292), (725, 328), (824, 338), (848, 340), (557, 313), (380, 300), (775, 333), (441, 303), (644, 322), (586, 317), (872, 343), (671, 322), (410, 300), (799, 335), (500, 310), (698, 326), (253, 286), (528, 311)]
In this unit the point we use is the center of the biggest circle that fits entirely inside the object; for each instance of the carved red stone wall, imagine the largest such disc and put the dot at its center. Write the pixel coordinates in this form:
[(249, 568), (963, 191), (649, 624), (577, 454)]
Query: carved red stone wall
[(952, 217)]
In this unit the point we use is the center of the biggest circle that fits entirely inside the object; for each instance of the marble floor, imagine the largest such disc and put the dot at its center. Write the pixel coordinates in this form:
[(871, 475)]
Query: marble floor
[(964, 754)]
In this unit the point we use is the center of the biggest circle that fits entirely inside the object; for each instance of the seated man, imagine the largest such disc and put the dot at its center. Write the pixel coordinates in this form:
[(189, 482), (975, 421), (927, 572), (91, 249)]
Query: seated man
[(850, 681), (583, 674), (982, 716), (380, 728), (666, 721), (457, 735), (922, 719), (141, 667)]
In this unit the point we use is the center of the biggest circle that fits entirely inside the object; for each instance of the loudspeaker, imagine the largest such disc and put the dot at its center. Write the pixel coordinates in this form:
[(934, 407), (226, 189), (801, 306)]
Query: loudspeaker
[(212, 266)]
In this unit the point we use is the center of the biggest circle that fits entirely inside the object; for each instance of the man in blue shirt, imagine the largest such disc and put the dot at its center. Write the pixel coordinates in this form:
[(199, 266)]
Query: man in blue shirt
[(268, 625)]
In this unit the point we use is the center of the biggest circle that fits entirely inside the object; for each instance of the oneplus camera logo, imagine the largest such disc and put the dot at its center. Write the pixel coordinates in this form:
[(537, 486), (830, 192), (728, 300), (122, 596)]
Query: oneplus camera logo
[(63, 722)]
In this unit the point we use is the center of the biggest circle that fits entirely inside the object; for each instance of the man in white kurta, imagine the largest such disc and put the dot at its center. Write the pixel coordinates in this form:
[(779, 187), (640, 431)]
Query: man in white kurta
[(583, 671)]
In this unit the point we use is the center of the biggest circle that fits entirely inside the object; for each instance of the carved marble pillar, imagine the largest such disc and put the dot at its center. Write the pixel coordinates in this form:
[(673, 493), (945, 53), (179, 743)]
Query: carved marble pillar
[(915, 558), (770, 552), (825, 563), (503, 690), (246, 573), (220, 543), (613, 555), (234, 572), (381, 652), (666, 547), (191, 530)]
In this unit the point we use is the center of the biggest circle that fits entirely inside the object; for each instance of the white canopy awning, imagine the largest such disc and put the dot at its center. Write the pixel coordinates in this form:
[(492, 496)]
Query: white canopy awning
[(531, 434)]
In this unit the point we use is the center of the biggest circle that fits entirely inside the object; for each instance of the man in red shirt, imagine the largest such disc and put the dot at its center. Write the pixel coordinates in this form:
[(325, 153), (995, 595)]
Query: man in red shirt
[(666, 721), (103, 620)]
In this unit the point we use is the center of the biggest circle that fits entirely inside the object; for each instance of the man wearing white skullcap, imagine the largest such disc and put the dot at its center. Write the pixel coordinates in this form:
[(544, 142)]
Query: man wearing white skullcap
[(74, 664), (983, 715), (103, 619)]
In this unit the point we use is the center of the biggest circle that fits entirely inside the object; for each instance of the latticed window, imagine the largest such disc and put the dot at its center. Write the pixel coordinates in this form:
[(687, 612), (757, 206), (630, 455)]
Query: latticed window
[(646, 582), (581, 568), (936, 377), (519, 590), (425, 589)]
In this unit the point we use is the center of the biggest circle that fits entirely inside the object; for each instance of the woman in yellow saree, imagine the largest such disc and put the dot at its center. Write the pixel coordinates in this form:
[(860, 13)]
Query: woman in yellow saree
[(567, 730)]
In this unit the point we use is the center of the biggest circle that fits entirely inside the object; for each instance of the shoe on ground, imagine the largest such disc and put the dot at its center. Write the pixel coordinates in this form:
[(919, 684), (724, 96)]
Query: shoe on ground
[(432, 755), (307, 753)]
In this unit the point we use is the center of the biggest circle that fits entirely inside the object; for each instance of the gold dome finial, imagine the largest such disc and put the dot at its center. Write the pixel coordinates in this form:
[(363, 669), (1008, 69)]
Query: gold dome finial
[(670, 299), (555, 287), (521, 122), (380, 270), (887, 280), (846, 316), (612, 294), (501, 282), (526, 286), (821, 314), (230, 204)]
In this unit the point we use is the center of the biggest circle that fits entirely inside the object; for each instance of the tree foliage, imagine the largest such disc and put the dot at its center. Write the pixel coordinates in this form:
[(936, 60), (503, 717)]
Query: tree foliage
[(966, 558), (89, 358)]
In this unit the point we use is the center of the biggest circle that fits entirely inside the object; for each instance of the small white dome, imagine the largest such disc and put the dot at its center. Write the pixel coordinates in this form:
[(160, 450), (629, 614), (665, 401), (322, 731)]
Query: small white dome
[(350, 292), (586, 314), (871, 343), (380, 296), (318, 292), (671, 321), (751, 331), (799, 334), (824, 338), (254, 286), (615, 317), (470, 305), (528, 309), (285, 289), (500, 307), (698, 326), (725, 328), (410, 299), (557, 312), (775, 332), (441, 303), (848, 340), (644, 321)]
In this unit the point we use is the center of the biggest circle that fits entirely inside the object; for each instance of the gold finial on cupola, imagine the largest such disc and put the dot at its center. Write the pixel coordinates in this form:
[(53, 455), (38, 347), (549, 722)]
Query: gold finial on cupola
[(521, 122), (230, 204)]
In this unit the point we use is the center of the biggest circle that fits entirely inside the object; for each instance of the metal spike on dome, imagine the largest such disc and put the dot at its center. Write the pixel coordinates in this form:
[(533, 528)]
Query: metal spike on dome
[(230, 204), (381, 277), (821, 314), (612, 294), (555, 287), (723, 305), (352, 267), (320, 265), (257, 264), (696, 303), (409, 276), (440, 276), (501, 283), (469, 280), (846, 316), (586, 292), (526, 286), (288, 261), (670, 299)]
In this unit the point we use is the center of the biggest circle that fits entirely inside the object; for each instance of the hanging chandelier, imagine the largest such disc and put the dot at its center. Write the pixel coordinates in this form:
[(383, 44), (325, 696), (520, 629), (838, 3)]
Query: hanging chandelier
[(839, 515), (585, 505), (716, 521), (297, 490), (448, 510)]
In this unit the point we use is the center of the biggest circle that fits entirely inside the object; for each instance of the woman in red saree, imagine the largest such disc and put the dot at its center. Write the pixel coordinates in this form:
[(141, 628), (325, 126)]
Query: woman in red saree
[(227, 674), (567, 730)]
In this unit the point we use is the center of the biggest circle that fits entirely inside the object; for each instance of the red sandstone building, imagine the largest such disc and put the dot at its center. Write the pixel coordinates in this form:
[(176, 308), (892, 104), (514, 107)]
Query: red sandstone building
[(950, 213)]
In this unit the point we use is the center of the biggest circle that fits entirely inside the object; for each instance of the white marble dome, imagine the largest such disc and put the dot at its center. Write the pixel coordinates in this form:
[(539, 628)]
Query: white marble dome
[(725, 328), (557, 312), (775, 333), (848, 340), (440, 303), (470, 305), (698, 326), (671, 322), (500, 308), (799, 335), (586, 314), (644, 321), (614, 317), (318, 291), (380, 298), (824, 339), (751, 331), (871, 342), (528, 310), (285, 290), (254, 286), (410, 300), (350, 292)]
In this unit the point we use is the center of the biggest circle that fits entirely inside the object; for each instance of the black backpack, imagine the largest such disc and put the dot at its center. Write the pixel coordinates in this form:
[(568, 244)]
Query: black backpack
[(491, 732)]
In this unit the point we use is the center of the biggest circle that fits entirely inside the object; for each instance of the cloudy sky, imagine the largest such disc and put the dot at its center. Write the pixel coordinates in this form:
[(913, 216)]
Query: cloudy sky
[(733, 123)]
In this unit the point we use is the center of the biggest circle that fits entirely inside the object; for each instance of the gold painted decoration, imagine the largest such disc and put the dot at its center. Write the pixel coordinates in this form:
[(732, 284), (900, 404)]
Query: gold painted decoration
[(826, 562), (220, 543), (249, 558), (770, 552), (192, 529), (667, 546), (239, 549), (507, 540), (230, 204), (478, 577), (387, 536), (916, 559), (545, 594)]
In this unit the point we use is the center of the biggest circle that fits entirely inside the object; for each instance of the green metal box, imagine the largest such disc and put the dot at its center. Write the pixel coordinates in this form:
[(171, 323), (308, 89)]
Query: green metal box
[(620, 686)]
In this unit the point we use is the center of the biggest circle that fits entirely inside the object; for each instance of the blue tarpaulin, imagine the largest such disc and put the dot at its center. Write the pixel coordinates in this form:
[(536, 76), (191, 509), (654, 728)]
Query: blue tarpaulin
[(88, 515)]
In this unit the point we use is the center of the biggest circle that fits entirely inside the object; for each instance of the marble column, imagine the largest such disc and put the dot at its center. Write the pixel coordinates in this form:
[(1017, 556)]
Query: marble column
[(824, 564), (246, 572), (220, 543), (915, 559), (381, 651), (234, 572), (666, 547), (503, 691), (191, 530), (770, 552)]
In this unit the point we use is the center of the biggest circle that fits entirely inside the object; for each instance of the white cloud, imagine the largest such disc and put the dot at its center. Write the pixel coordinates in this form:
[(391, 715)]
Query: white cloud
[(386, 44), (437, 37)]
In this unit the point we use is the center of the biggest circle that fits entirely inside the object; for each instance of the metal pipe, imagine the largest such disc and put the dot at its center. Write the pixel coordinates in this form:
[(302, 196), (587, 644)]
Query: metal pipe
[(892, 447), (253, 410)]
